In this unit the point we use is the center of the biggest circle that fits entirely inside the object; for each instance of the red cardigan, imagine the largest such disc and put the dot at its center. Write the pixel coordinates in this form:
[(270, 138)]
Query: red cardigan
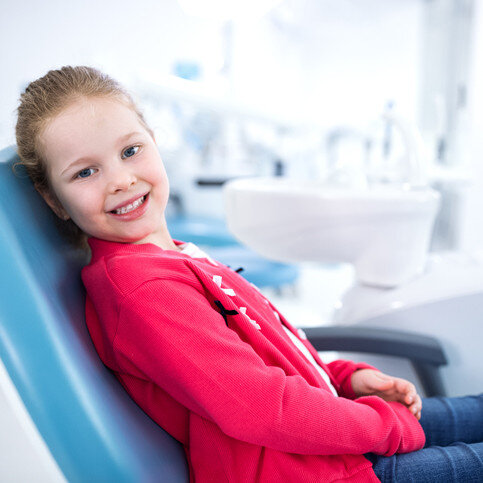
[(203, 353)]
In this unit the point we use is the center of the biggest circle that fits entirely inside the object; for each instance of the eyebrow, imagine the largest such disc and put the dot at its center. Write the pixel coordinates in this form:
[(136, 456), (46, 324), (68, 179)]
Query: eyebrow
[(122, 139)]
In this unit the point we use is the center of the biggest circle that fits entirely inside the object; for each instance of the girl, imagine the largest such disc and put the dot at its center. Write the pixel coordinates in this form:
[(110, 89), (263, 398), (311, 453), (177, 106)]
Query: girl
[(202, 351)]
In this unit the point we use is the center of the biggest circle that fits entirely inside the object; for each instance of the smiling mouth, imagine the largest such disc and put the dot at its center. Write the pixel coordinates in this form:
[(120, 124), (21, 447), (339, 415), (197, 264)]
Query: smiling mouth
[(131, 207)]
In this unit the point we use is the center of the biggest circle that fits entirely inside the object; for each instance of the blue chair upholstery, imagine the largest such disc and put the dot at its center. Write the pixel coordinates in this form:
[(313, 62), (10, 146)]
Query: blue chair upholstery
[(94, 431), (258, 270), (201, 230)]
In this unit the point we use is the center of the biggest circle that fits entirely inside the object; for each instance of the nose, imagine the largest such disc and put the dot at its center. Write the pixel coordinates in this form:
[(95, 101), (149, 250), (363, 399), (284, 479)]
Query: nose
[(121, 178)]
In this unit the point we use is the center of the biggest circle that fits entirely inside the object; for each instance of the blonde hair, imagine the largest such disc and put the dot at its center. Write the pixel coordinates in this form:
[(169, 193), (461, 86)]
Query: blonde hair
[(43, 100)]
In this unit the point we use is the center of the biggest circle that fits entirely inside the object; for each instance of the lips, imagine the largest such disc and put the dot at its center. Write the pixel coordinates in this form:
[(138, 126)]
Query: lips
[(133, 214), (127, 202)]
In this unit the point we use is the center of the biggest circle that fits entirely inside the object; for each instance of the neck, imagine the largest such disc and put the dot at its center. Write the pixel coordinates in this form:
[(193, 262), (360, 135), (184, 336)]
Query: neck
[(162, 239)]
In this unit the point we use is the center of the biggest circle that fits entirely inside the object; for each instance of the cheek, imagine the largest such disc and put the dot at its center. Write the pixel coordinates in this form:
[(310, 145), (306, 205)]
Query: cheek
[(81, 204), (158, 175), (62, 201), (164, 178)]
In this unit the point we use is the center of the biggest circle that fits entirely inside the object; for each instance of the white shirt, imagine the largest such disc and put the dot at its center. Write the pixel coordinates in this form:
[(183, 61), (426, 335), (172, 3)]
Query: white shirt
[(311, 359)]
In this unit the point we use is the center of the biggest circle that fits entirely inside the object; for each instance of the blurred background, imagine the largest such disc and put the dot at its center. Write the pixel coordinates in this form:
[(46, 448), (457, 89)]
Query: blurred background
[(277, 88)]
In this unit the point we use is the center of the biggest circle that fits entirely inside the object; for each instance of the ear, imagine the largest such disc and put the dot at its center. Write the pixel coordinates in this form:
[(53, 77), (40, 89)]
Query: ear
[(53, 202)]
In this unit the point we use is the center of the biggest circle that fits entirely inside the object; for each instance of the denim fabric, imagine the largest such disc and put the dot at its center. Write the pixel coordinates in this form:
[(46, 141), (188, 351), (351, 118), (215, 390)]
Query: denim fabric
[(454, 445)]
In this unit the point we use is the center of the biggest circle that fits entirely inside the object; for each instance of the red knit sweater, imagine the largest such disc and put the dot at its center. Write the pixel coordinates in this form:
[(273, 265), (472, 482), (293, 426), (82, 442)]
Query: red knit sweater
[(208, 360)]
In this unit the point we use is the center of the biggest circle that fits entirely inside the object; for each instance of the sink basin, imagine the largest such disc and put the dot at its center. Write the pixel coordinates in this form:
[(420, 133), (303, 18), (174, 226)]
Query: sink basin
[(384, 231)]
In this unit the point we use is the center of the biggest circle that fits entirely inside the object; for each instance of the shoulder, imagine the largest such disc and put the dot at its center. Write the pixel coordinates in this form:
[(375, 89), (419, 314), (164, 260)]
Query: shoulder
[(128, 271)]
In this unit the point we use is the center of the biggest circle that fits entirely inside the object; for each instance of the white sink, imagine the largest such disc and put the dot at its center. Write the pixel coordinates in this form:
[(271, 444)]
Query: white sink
[(384, 231)]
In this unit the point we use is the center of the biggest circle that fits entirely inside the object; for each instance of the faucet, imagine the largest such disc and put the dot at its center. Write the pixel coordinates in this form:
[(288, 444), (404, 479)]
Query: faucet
[(353, 170)]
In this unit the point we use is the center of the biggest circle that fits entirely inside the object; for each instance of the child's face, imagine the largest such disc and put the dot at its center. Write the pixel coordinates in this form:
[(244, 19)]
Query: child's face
[(99, 158)]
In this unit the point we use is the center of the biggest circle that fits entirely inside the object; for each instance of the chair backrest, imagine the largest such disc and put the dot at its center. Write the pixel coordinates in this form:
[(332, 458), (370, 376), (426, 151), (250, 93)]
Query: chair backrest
[(92, 428)]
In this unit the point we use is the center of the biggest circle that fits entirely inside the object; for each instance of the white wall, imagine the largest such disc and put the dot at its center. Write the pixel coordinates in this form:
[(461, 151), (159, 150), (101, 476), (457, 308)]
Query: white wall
[(40, 35), (336, 61)]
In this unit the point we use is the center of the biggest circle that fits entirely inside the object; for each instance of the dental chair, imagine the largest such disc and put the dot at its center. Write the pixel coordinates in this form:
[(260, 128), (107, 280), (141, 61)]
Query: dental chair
[(76, 414)]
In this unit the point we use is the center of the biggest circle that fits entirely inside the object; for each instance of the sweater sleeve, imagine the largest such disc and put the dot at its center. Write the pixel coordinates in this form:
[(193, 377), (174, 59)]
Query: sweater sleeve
[(342, 371), (169, 334)]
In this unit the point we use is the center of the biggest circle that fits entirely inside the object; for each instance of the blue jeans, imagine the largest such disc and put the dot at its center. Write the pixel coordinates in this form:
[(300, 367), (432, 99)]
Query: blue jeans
[(454, 445)]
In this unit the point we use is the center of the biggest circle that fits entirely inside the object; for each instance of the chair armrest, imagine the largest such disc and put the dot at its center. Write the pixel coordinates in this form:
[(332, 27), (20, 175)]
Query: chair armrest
[(425, 353)]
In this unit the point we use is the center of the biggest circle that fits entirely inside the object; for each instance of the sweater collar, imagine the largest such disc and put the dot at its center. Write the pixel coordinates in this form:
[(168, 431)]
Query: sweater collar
[(101, 248)]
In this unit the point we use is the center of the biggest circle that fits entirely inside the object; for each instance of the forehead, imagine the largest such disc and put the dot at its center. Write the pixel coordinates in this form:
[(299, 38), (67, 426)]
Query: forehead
[(88, 121), (90, 114)]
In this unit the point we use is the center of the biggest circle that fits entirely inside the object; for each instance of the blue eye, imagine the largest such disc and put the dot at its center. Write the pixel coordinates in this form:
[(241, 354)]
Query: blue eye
[(85, 173), (131, 151)]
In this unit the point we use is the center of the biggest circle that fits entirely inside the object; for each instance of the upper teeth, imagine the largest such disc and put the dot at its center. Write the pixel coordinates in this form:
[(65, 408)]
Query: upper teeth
[(130, 207)]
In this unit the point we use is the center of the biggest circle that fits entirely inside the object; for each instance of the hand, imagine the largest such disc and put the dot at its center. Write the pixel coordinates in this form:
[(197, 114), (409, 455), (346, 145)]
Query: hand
[(368, 382)]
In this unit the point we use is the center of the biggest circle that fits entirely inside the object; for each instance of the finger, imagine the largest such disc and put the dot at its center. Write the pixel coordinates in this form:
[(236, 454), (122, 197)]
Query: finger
[(382, 382), (380, 385), (403, 386), (416, 407), (407, 390), (417, 414), (418, 403), (411, 396), (381, 375)]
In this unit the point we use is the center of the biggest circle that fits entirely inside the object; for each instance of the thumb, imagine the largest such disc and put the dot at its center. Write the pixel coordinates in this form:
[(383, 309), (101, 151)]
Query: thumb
[(380, 381)]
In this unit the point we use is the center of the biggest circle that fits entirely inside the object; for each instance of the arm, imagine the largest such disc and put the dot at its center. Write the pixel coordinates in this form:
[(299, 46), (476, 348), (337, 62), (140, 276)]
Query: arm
[(169, 334), (425, 353)]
